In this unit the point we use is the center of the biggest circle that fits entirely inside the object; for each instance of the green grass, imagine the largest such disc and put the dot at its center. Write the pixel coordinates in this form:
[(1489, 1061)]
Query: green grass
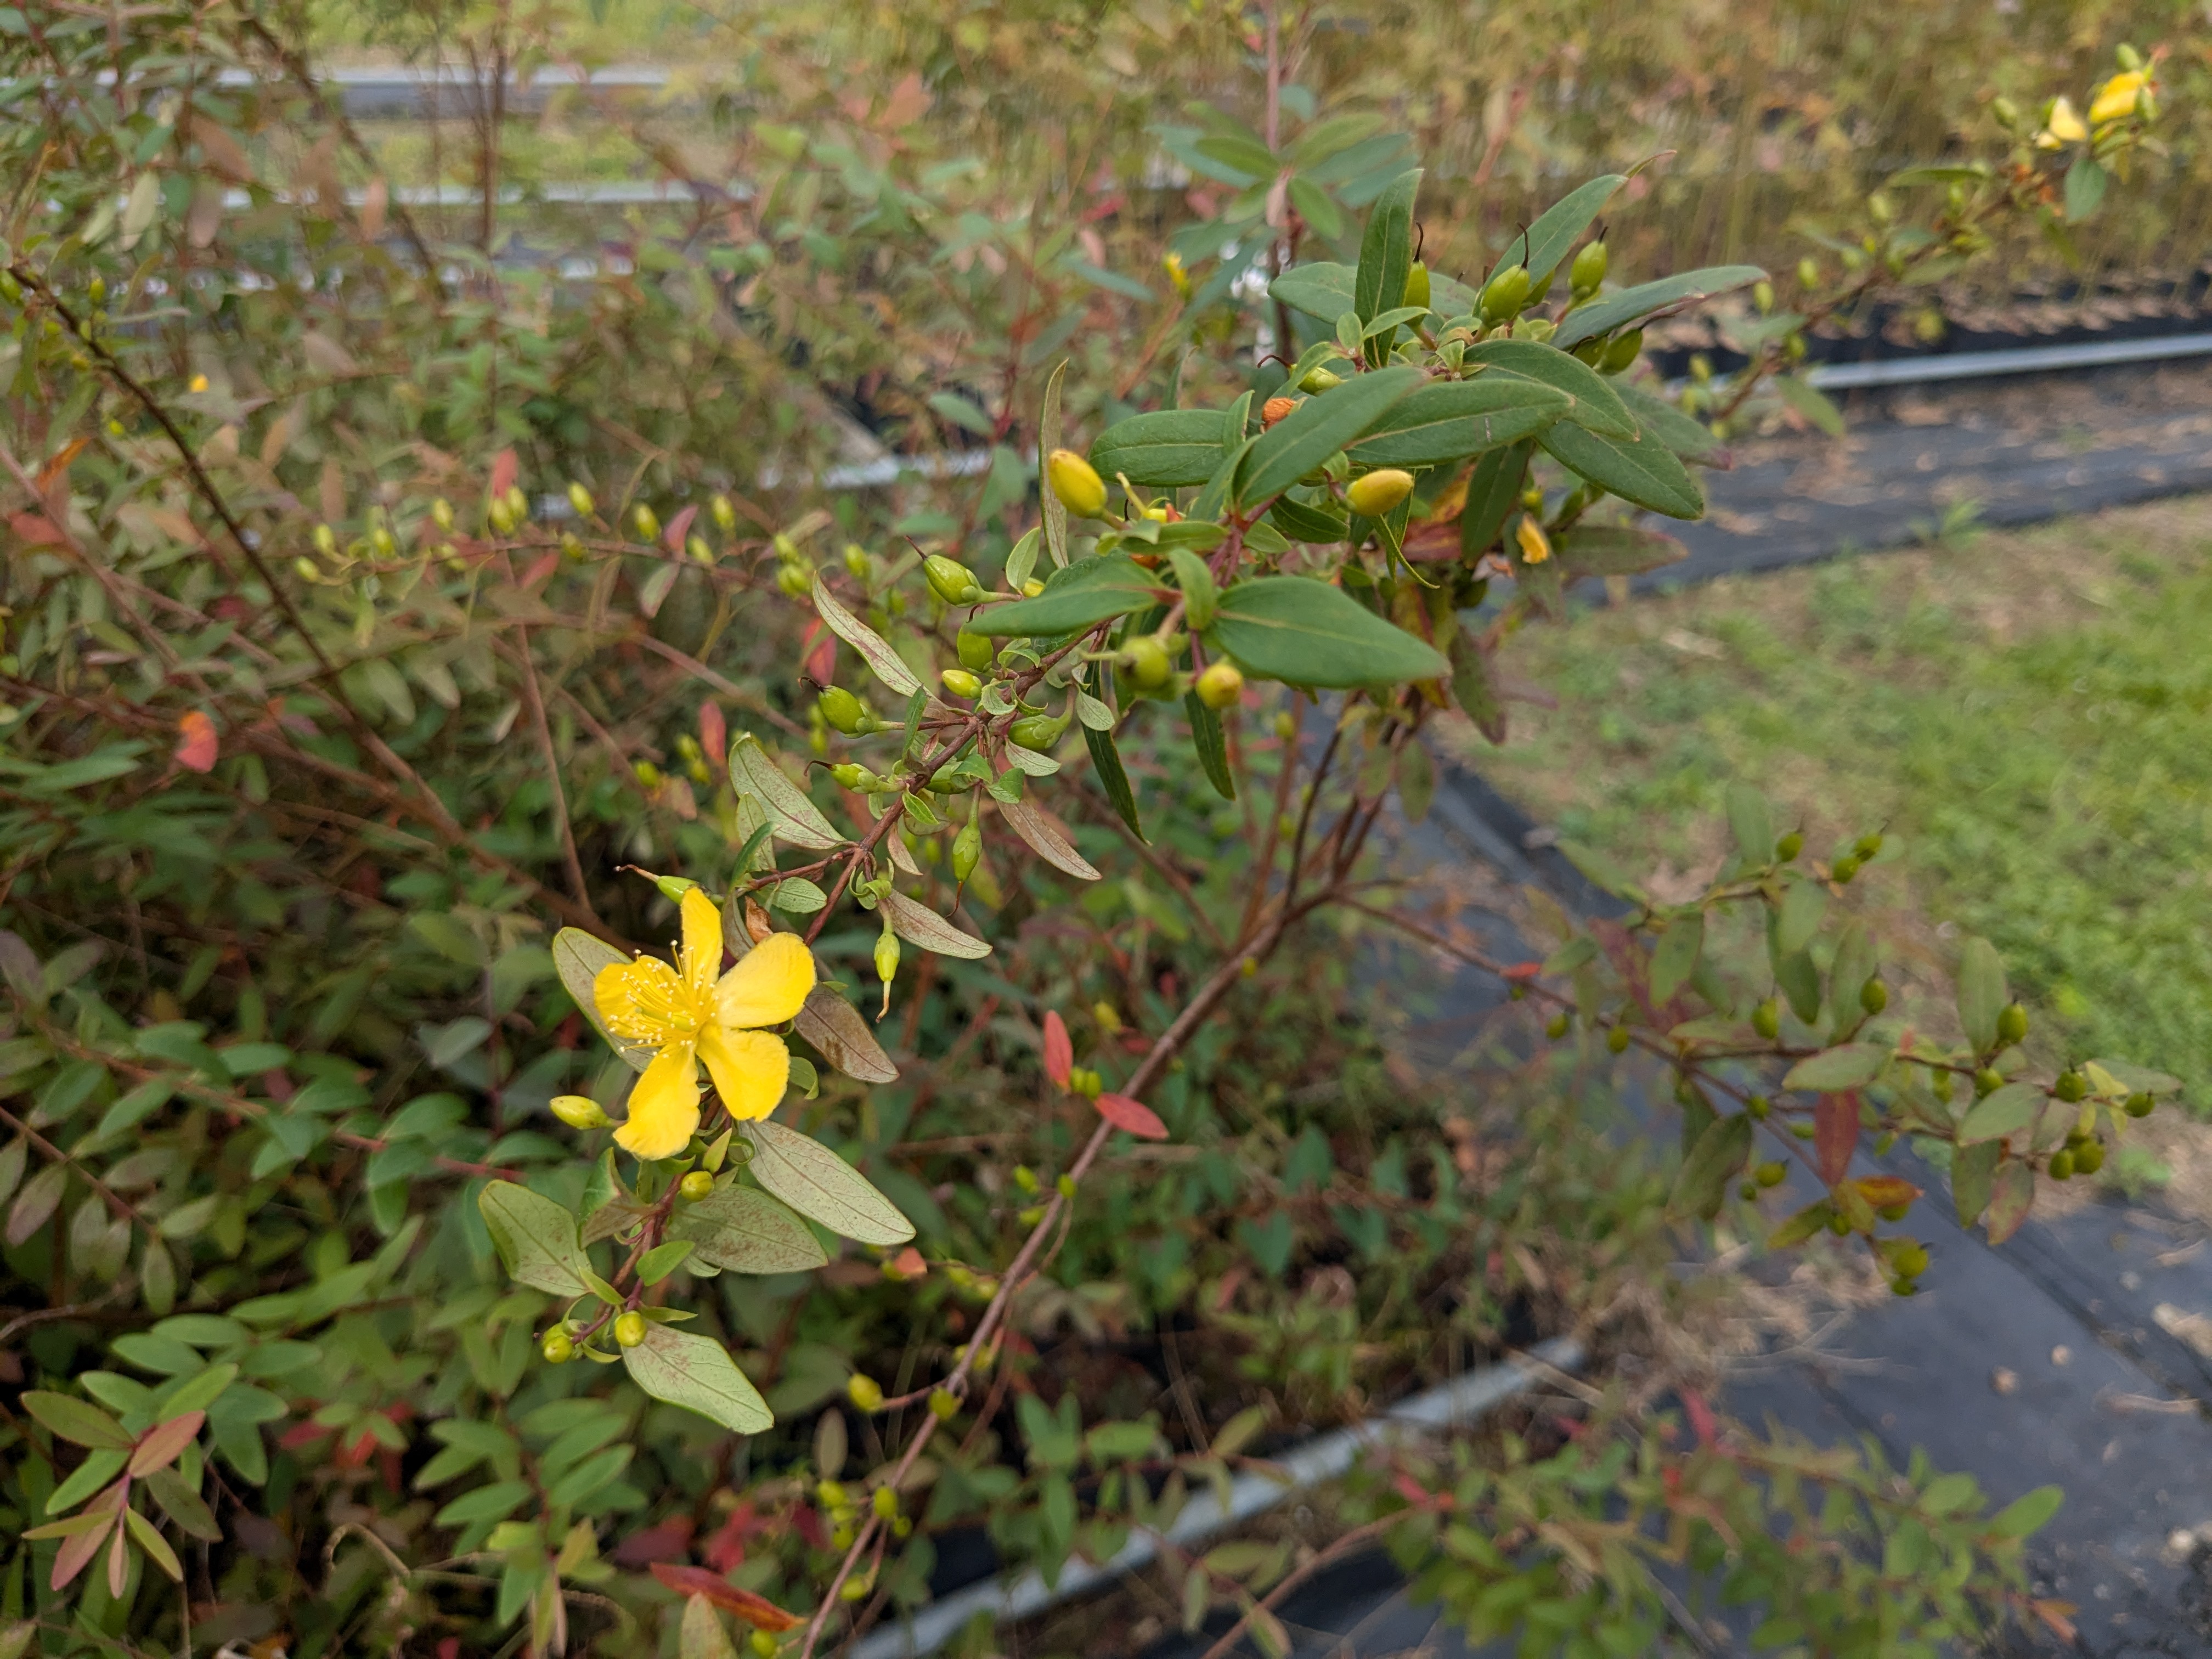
[(2029, 715)]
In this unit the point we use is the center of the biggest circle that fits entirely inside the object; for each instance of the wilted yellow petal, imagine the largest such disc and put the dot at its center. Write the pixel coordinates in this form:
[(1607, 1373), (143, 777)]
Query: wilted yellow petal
[(1535, 546), (2064, 123), (750, 1069), (702, 942), (2117, 97), (663, 1106), (644, 1002), (767, 987)]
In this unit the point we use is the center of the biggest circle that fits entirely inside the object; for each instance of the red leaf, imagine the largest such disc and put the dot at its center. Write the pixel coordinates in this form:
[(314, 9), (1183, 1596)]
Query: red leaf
[(1524, 971), (1059, 1052), (908, 1264), (672, 537), (656, 1543), (541, 569), (1701, 1417), (33, 529), (160, 1444), (714, 735), (822, 662), (197, 746), (755, 1610), (1139, 1119), (1835, 1134), (504, 470)]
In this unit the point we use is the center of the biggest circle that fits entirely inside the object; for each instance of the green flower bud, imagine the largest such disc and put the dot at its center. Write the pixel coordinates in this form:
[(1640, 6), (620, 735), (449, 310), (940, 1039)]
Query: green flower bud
[(1843, 869), (2090, 1158), (579, 1112), (844, 711), (646, 522), (326, 541), (1220, 685), (1808, 273), (382, 540), (976, 651), (1746, 1190), (1149, 665), (1874, 996), (1374, 493), (2062, 1164), (646, 774), (700, 552), (1894, 1211), (1790, 846), (885, 1499), (1838, 1227), (1319, 379), (629, 1328), (950, 580), (558, 1347), (724, 515), (887, 956), (572, 545), (1762, 295), (793, 580), (1988, 1080), (1868, 847), (854, 776), (944, 1404), (1417, 285), (1038, 731), (1587, 274), (2140, 1104), (2070, 1087), (1759, 1107), (960, 682), (500, 516), (2129, 58), (1622, 354), (1504, 293), (441, 513), (1077, 483), (580, 499), (865, 1392), (1617, 1039), (307, 569), (1912, 1261), (2012, 1025), (763, 1645), (1766, 1020), (695, 1185), (1556, 1026), (967, 850), (1771, 1174)]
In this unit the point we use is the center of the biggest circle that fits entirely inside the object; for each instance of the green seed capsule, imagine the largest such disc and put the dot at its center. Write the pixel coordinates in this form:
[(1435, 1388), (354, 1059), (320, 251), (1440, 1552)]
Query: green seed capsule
[(1894, 1211), (844, 711), (2088, 1158), (1621, 354), (1759, 1107), (2012, 1025), (1867, 848), (1556, 1027), (1771, 1174), (695, 1185), (2062, 1164), (1504, 293), (867, 1394), (975, 652), (724, 515), (646, 522), (1912, 1261), (1746, 1190), (1790, 846), (1843, 869), (2070, 1087), (2141, 1105), (1417, 285), (1838, 1227), (558, 1347), (1617, 1039), (967, 850), (580, 499), (631, 1328), (950, 580), (1588, 271), (944, 1405), (1808, 273), (1220, 685), (1988, 1080), (1766, 1020), (1874, 996), (1149, 665)]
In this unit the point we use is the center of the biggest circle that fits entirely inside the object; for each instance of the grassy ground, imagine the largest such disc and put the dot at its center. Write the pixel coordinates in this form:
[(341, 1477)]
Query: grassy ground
[(2026, 712)]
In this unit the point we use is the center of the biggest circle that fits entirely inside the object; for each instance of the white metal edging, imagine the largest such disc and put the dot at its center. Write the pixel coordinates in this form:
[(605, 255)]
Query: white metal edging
[(2022, 360), (1461, 1401)]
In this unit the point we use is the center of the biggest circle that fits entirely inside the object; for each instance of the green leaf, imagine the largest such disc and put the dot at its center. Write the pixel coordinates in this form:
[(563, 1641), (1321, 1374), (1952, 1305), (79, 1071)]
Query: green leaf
[(697, 1372), (578, 958), (1714, 1161), (842, 1037), (1477, 697), (820, 1186), (1614, 550), (1752, 823), (536, 1238), (1804, 904), (101, 1464), (916, 923), (1849, 1066), (1106, 760), (1306, 437), (753, 771), (78, 1421), (745, 1231), (493, 1503), (1211, 744), (1973, 1179), (1493, 490), (2025, 1514), (1686, 435), (886, 663), (1854, 961), (1086, 593), (182, 1504), (1305, 632), (1982, 993), (2085, 187), (2004, 1110), (1386, 252), (1199, 594), (1809, 401), (1643, 469), (1597, 405), (156, 1547), (1450, 420), (1320, 288), (1166, 449), (662, 1259), (1675, 958), (1632, 304), (1558, 225), (1054, 516), (1316, 525)]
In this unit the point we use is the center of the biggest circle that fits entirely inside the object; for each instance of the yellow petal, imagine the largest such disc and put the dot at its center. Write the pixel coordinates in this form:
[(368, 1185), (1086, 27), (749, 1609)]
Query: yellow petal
[(2064, 124), (767, 986), (644, 1002), (750, 1069), (663, 1106), (2117, 97), (703, 941)]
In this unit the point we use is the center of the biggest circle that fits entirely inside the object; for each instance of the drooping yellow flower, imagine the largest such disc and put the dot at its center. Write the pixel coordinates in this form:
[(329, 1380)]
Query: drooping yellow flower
[(690, 1015), (2064, 126), (2117, 97)]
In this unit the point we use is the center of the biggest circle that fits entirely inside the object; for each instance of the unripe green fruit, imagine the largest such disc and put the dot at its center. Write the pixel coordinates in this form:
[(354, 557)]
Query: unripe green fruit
[(1766, 1020), (2012, 1025), (1319, 379), (967, 850), (724, 515), (2005, 110), (2090, 1158), (2070, 1087), (1894, 1211), (944, 1404), (579, 1112), (1077, 483), (1622, 354), (1790, 846), (1762, 295), (629, 1328), (500, 516), (1587, 271), (865, 1392), (1149, 665), (1912, 1260), (1988, 1080), (852, 775), (1038, 731), (1504, 293), (960, 682), (700, 552), (558, 1347), (884, 1500), (2062, 1164), (1874, 996), (326, 541), (1771, 1174), (974, 651), (844, 711), (887, 956), (950, 580), (1868, 847), (1374, 493), (1617, 1039), (1220, 685), (2141, 1105), (580, 499), (695, 1185), (1759, 1107), (763, 1644), (518, 504), (1746, 1190), (793, 580), (1843, 869), (1556, 1027), (1417, 285), (1286, 725), (1838, 1227), (646, 522)]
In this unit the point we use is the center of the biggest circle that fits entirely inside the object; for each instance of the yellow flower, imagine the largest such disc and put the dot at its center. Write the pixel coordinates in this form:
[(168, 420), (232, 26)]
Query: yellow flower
[(2117, 97), (1535, 546), (2064, 126), (690, 1015)]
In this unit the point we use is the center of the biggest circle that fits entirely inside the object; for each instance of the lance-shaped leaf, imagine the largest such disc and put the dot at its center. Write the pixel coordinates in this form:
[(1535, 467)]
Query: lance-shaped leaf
[(77, 1421), (918, 924), (1320, 288), (886, 663), (1164, 449), (1306, 437), (1386, 252), (1684, 434), (1086, 593), (536, 1238), (747, 1231), (1597, 405), (820, 1186), (1211, 744), (1558, 225), (1493, 490), (1106, 761), (160, 1445), (841, 1035), (1045, 840), (1640, 470), (1305, 632), (1055, 510), (1450, 420), (1615, 551), (1633, 304), (697, 1372), (578, 957), (798, 820), (1713, 1161)]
